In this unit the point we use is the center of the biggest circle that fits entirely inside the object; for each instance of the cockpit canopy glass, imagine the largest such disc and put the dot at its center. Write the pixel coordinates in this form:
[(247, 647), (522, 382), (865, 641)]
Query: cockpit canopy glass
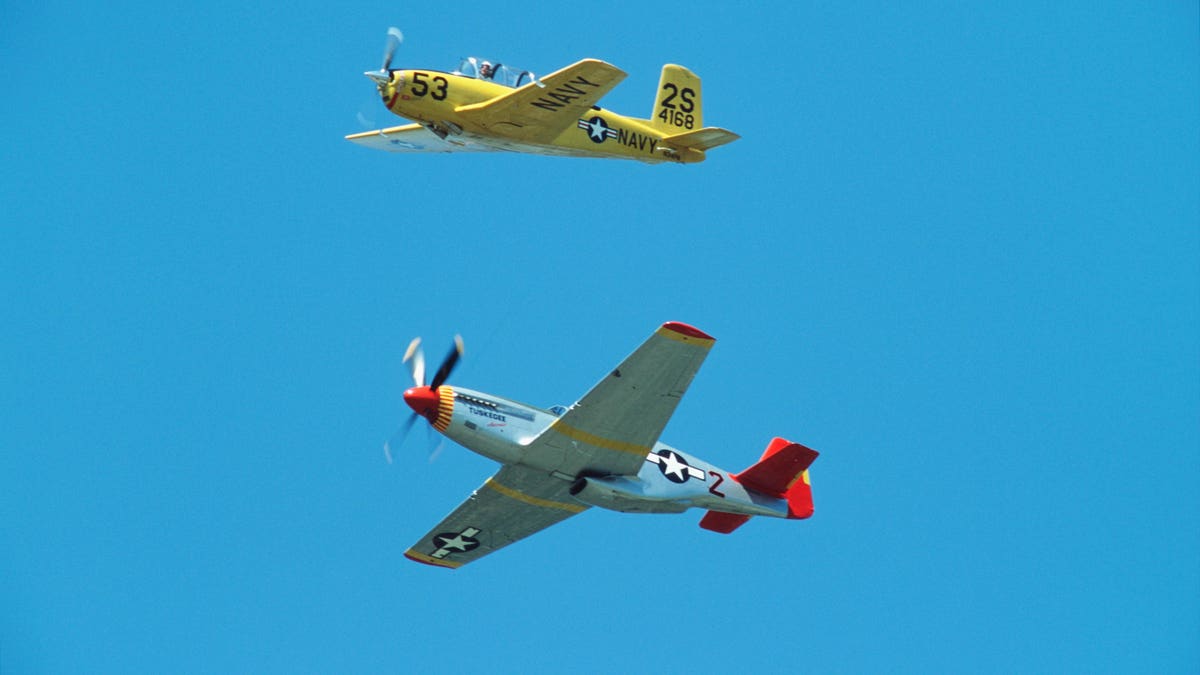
[(482, 69)]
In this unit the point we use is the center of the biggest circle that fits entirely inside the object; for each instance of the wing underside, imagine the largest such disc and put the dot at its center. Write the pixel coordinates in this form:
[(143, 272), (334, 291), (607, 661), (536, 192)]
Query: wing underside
[(510, 506), (616, 424), (608, 432), (415, 138)]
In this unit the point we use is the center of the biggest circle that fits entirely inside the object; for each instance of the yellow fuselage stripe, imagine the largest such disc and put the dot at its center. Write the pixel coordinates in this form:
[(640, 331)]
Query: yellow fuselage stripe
[(530, 499)]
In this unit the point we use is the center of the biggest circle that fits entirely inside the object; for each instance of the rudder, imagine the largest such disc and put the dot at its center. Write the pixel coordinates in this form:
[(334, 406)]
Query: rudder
[(677, 103), (783, 472)]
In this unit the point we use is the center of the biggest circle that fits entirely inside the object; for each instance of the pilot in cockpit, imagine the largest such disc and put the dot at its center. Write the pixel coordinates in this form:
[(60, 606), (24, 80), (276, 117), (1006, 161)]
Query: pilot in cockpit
[(486, 72)]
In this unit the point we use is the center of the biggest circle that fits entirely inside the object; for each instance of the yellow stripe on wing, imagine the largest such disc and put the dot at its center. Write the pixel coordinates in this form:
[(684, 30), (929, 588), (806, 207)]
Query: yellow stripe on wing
[(412, 554), (530, 499), (598, 441), (686, 339)]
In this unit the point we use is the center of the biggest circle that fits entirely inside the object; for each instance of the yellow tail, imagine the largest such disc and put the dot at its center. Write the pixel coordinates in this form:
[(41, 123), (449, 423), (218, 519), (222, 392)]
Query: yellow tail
[(677, 107)]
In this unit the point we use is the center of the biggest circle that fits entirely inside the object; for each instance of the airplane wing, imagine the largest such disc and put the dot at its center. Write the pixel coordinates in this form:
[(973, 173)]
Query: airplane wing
[(536, 113), (616, 424), (510, 506), (414, 138)]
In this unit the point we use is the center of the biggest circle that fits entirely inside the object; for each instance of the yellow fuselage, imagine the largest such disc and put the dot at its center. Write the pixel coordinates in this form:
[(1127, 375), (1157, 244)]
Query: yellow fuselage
[(434, 99)]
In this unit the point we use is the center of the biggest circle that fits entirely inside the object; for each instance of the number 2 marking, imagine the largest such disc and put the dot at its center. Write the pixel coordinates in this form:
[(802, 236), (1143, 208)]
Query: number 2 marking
[(713, 488), (674, 92)]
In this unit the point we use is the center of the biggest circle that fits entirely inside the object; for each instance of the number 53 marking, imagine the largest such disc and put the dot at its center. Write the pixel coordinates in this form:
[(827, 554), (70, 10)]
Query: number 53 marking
[(420, 86)]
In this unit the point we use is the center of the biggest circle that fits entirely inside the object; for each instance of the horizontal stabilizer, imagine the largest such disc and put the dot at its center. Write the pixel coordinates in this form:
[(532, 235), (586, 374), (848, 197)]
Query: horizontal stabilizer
[(783, 472), (700, 139), (780, 467), (719, 521)]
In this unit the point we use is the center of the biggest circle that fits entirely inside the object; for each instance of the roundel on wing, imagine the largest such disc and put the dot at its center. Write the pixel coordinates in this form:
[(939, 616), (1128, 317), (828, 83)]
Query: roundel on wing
[(455, 541)]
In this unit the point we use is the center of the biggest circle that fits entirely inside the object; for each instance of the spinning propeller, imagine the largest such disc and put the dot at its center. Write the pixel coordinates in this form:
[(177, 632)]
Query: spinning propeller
[(424, 399), (384, 74)]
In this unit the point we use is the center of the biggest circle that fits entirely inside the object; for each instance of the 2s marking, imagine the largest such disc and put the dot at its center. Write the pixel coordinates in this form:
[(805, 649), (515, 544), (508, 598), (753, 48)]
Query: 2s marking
[(686, 96), (679, 114)]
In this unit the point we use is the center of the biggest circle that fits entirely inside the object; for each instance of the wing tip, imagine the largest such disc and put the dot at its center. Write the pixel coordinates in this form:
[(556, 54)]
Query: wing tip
[(602, 62), (687, 330), (432, 562)]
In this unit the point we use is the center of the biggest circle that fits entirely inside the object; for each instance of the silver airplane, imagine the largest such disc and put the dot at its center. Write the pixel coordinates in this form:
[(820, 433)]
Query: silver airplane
[(603, 451)]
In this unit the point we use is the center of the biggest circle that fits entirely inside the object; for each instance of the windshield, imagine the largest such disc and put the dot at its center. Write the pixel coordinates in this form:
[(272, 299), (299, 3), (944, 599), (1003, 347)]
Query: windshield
[(483, 69)]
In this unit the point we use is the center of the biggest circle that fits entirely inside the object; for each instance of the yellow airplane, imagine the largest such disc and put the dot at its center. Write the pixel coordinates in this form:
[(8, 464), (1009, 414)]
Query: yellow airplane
[(485, 107)]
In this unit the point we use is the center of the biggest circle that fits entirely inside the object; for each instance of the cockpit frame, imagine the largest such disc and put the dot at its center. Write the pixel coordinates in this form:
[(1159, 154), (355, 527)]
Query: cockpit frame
[(483, 69)]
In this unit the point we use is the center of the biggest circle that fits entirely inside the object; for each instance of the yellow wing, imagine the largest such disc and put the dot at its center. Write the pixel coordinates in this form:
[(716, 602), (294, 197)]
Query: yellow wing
[(541, 113), (414, 138)]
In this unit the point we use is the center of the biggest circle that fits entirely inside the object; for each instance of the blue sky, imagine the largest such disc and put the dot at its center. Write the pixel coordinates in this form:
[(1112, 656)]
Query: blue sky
[(957, 251)]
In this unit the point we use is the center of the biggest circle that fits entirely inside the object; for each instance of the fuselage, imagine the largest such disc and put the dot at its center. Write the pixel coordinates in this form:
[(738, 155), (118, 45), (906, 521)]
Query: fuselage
[(433, 97), (669, 480)]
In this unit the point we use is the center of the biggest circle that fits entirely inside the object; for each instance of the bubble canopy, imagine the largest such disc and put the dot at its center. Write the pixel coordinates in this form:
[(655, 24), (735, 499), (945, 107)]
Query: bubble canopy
[(491, 71)]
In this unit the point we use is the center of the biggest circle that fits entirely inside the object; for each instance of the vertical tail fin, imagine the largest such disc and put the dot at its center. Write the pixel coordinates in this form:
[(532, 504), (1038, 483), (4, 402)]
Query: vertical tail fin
[(781, 472), (799, 497), (677, 105)]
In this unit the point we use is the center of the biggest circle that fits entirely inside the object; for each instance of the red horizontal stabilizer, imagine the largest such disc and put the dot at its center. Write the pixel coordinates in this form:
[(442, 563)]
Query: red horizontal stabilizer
[(779, 468), (719, 521)]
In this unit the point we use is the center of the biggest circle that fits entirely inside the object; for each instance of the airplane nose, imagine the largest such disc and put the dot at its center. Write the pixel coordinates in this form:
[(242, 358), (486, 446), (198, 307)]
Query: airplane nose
[(423, 400), (381, 77)]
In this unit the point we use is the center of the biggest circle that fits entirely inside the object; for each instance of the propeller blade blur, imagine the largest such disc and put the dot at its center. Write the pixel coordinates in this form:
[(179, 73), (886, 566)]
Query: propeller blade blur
[(394, 38), (448, 364), (416, 356), (398, 438)]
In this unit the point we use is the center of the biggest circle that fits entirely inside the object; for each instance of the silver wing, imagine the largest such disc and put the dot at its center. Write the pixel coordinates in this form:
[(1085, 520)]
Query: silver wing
[(608, 432), (614, 426), (510, 506)]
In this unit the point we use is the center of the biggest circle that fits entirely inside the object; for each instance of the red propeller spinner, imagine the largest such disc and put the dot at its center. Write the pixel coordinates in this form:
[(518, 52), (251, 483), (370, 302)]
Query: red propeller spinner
[(424, 401), (422, 398)]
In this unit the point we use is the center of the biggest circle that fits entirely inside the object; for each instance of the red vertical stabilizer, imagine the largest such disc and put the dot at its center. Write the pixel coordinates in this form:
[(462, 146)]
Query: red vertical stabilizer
[(781, 472)]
